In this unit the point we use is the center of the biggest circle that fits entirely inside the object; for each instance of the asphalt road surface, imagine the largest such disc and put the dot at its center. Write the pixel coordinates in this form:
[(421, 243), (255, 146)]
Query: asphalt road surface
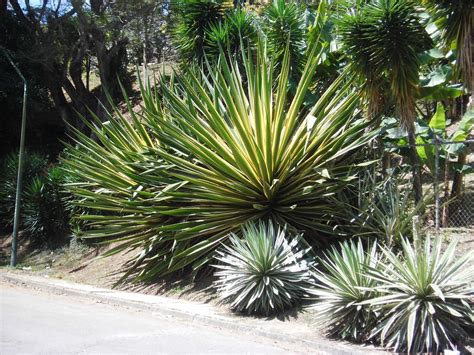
[(39, 322)]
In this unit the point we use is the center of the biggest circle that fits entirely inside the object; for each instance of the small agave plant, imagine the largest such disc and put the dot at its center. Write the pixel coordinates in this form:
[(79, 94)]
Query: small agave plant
[(264, 271), (426, 297), (341, 288)]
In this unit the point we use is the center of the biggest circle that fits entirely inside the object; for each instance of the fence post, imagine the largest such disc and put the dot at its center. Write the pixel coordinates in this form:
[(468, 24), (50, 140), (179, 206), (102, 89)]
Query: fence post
[(436, 189)]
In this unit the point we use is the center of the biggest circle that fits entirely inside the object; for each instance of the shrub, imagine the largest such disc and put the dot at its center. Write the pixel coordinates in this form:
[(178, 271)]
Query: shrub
[(383, 208), (263, 272), (195, 18), (44, 213), (285, 26), (425, 301), (342, 284), (209, 154), (237, 28), (33, 165)]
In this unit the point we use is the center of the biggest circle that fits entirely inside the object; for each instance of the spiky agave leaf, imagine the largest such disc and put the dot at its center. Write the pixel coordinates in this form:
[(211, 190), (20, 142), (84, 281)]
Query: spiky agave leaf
[(264, 271), (210, 153), (425, 297), (342, 284)]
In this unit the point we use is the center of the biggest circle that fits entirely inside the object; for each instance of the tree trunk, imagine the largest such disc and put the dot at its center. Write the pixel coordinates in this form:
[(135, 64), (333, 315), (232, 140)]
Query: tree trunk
[(60, 102), (416, 170), (456, 188), (445, 211), (82, 96), (88, 71), (3, 8), (145, 49)]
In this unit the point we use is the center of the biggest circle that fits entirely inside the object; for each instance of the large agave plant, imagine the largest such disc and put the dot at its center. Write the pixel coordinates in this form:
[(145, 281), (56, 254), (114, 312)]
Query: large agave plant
[(208, 154), (342, 284), (263, 272), (426, 298)]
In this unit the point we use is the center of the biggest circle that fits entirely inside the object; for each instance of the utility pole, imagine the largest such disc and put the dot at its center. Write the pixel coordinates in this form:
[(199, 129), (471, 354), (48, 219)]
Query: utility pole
[(16, 219)]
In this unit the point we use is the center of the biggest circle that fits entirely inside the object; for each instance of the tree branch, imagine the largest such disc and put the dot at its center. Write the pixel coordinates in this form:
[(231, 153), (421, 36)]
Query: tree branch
[(20, 14)]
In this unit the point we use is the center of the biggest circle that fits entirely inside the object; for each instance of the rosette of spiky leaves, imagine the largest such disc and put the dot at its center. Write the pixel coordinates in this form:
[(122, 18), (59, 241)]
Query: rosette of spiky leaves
[(34, 208), (210, 153), (235, 33), (44, 214), (383, 39), (383, 207), (263, 272), (33, 165), (284, 25), (426, 297), (195, 18), (342, 284)]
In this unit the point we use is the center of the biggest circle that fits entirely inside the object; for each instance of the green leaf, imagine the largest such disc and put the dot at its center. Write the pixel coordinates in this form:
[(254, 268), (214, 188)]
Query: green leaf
[(441, 92), (438, 121), (439, 76)]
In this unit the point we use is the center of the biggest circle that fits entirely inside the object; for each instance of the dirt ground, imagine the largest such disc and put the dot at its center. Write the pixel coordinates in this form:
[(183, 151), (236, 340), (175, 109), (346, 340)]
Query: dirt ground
[(85, 264)]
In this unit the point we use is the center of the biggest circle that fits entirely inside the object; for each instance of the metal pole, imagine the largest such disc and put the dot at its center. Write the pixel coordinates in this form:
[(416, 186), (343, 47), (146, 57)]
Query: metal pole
[(16, 218), (436, 192)]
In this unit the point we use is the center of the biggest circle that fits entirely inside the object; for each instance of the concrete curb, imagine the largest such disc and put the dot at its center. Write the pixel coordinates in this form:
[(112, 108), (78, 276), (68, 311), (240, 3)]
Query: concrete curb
[(189, 311)]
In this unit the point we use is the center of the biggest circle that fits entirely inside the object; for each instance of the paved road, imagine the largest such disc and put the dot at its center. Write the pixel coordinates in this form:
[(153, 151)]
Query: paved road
[(34, 322)]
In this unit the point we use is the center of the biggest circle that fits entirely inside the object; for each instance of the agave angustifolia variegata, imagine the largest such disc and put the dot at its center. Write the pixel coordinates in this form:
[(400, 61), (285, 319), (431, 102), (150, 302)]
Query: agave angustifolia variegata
[(425, 297), (265, 271), (208, 154), (340, 289)]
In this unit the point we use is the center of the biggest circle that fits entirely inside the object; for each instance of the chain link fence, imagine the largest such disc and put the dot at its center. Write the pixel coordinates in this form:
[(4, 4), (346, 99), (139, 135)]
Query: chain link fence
[(447, 184), (453, 186)]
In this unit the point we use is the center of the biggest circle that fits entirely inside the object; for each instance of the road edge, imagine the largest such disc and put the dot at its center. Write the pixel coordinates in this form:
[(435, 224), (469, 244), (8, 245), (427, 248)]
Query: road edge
[(218, 321)]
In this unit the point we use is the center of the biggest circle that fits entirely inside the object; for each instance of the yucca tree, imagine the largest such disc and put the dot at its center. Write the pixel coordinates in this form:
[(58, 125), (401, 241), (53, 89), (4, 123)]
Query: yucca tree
[(209, 154), (382, 40), (284, 25), (238, 28), (195, 18), (455, 19)]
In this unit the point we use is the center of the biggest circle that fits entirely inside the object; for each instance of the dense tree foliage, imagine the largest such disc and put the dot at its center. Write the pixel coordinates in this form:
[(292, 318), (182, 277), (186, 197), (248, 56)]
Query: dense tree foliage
[(73, 54)]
